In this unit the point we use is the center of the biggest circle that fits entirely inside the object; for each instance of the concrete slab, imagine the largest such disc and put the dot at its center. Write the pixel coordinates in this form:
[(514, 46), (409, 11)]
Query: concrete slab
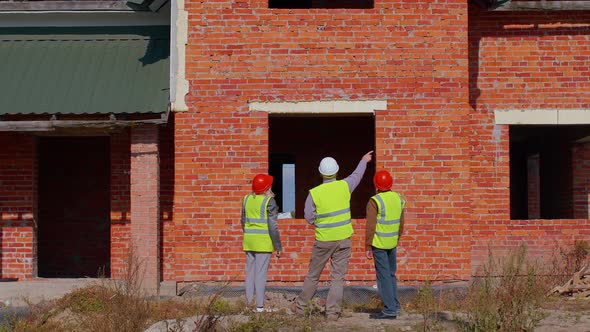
[(18, 293)]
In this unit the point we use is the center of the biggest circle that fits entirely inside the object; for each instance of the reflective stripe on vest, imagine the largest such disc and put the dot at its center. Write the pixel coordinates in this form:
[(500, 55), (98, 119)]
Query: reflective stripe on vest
[(332, 202), (389, 210), (256, 236)]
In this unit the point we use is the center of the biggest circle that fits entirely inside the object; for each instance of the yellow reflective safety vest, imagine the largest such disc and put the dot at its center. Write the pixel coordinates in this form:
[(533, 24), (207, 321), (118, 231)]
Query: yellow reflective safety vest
[(332, 202), (389, 210), (256, 236)]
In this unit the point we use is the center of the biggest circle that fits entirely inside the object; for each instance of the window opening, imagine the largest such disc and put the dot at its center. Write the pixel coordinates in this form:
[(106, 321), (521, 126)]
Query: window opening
[(297, 143), (548, 172)]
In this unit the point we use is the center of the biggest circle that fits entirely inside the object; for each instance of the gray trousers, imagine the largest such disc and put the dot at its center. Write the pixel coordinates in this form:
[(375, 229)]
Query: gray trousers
[(256, 270), (338, 252)]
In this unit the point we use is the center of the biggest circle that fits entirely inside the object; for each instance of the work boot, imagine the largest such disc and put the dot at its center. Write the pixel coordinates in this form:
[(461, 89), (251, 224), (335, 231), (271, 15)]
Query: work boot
[(382, 315)]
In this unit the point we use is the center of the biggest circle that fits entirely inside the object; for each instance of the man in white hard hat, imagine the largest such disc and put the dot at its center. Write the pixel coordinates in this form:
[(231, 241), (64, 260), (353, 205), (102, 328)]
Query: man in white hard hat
[(327, 207)]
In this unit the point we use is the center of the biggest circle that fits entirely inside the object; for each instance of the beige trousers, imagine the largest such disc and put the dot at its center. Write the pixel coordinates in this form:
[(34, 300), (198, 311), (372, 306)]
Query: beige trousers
[(338, 252)]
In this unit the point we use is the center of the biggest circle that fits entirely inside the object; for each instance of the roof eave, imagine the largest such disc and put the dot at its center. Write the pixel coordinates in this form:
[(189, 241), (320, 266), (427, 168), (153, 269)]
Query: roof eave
[(73, 6), (52, 125)]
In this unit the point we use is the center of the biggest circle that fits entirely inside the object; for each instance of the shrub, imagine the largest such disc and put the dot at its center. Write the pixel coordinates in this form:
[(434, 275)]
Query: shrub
[(569, 259), (509, 296)]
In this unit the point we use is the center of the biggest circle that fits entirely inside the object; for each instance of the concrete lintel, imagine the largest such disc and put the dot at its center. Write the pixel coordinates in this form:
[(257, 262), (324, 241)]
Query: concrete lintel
[(574, 117), (330, 106), (525, 117), (542, 116)]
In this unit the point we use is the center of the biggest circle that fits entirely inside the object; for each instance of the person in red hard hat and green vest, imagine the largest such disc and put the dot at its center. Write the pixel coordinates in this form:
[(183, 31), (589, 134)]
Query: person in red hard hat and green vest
[(328, 208), (261, 236), (385, 220)]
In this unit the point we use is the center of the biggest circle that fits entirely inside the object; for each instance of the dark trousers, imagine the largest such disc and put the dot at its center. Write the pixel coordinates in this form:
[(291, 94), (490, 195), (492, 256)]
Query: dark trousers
[(386, 266)]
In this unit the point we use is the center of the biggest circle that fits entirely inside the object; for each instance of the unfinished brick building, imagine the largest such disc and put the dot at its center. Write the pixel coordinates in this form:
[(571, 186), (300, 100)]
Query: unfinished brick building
[(480, 111)]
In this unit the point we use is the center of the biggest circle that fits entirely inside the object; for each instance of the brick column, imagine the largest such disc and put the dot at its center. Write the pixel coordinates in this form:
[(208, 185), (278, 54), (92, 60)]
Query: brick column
[(145, 206)]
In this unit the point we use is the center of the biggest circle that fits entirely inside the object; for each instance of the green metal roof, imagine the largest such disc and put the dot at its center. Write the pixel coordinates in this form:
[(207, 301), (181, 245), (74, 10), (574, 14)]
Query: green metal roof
[(84, 70)]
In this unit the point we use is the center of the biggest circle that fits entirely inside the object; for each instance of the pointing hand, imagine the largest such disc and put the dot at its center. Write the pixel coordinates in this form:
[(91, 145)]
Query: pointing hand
[(368, 157)]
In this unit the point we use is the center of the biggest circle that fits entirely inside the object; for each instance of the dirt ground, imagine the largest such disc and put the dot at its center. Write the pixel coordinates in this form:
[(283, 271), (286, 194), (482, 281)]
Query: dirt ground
[(562, 314)]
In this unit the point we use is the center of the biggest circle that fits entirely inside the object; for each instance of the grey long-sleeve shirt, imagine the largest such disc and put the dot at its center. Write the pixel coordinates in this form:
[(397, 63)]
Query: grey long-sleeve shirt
[(273, 226), (353, 181)]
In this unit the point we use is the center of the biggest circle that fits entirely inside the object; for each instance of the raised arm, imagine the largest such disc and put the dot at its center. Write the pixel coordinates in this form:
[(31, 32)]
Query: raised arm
[(355, 178)]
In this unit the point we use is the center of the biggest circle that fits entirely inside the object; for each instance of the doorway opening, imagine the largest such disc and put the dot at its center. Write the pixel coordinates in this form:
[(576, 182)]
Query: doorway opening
[(73, 231)]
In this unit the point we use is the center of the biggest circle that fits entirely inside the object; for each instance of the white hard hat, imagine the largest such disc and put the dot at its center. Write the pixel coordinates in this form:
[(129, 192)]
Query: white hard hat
[(328, 166)]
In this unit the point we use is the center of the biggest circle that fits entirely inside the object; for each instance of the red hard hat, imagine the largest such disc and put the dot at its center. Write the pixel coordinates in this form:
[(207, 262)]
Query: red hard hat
[(261, 183), (383, 180)]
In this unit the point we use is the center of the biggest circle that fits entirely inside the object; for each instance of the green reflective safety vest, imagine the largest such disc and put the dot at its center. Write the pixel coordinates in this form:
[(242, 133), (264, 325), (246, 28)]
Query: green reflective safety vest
[(256, 236), (389, 210), (332, 202)]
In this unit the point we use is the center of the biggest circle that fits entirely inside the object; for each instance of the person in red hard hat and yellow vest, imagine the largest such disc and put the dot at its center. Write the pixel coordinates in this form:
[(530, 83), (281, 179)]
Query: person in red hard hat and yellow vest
[(328, 208), (385, 218), (261, 236)]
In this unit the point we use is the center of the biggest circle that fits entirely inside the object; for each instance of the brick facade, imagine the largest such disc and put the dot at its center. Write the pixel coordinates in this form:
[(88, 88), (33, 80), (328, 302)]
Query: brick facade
[(406, 53), (442, 75), (443, 67)]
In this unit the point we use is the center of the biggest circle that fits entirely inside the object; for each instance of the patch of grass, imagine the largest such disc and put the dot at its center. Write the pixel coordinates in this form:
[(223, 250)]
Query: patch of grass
[(428, 306), (84, 300), (509, 296), (221, 306), (37, 318), (373, 306), (11, 322), (277, 321)]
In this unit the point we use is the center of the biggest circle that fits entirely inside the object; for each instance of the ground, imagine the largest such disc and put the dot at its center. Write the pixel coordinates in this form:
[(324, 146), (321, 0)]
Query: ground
[(560, 313)]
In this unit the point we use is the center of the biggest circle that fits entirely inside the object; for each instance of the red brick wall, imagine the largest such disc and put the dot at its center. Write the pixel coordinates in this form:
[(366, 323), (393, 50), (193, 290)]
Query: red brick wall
[(520, 60), (120, 201), (409, 53), (17, 205)]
